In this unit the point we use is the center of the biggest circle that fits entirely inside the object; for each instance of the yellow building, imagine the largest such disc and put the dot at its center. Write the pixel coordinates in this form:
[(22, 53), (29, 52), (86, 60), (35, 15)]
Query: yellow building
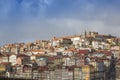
[(86, 72), (2, 68)]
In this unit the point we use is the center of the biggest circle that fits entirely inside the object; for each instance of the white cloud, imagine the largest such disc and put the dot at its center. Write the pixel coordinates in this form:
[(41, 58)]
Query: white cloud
[(47, 28)]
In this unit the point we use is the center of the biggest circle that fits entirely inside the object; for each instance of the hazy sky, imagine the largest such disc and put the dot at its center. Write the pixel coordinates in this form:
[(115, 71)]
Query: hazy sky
[(29, 20)]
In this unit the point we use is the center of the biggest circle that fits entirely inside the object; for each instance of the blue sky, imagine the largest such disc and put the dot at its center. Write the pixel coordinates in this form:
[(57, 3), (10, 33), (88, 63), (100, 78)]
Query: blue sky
[(29, 20)]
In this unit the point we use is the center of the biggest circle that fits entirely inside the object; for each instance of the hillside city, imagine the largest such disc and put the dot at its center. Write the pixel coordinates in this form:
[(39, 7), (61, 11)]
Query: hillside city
[(89, 56)]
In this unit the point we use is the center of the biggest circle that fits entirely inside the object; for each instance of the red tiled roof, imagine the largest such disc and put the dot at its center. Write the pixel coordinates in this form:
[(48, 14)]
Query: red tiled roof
[(83, 51), (5, 63)]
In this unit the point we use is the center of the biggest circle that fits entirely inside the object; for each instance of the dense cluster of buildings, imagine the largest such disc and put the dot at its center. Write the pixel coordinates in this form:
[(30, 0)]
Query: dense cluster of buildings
[(89, 56)]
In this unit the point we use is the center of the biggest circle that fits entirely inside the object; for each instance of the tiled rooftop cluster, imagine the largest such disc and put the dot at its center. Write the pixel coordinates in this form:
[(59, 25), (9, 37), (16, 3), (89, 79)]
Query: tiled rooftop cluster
[(87, 56)]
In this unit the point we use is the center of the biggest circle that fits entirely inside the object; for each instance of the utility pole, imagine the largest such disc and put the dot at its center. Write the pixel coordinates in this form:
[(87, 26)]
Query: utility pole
[(32, 73), (73, 73)]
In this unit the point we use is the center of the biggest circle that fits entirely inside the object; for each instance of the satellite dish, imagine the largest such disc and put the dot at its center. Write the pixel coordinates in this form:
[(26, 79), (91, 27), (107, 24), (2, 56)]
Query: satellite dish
[(88, 59)]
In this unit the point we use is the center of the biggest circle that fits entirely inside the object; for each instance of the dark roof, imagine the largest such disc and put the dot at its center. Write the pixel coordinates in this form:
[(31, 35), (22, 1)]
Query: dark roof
[(22, 55)]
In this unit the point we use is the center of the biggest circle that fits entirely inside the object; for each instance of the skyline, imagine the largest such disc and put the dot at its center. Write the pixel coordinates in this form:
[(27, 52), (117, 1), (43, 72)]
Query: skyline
[(29, 20)]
